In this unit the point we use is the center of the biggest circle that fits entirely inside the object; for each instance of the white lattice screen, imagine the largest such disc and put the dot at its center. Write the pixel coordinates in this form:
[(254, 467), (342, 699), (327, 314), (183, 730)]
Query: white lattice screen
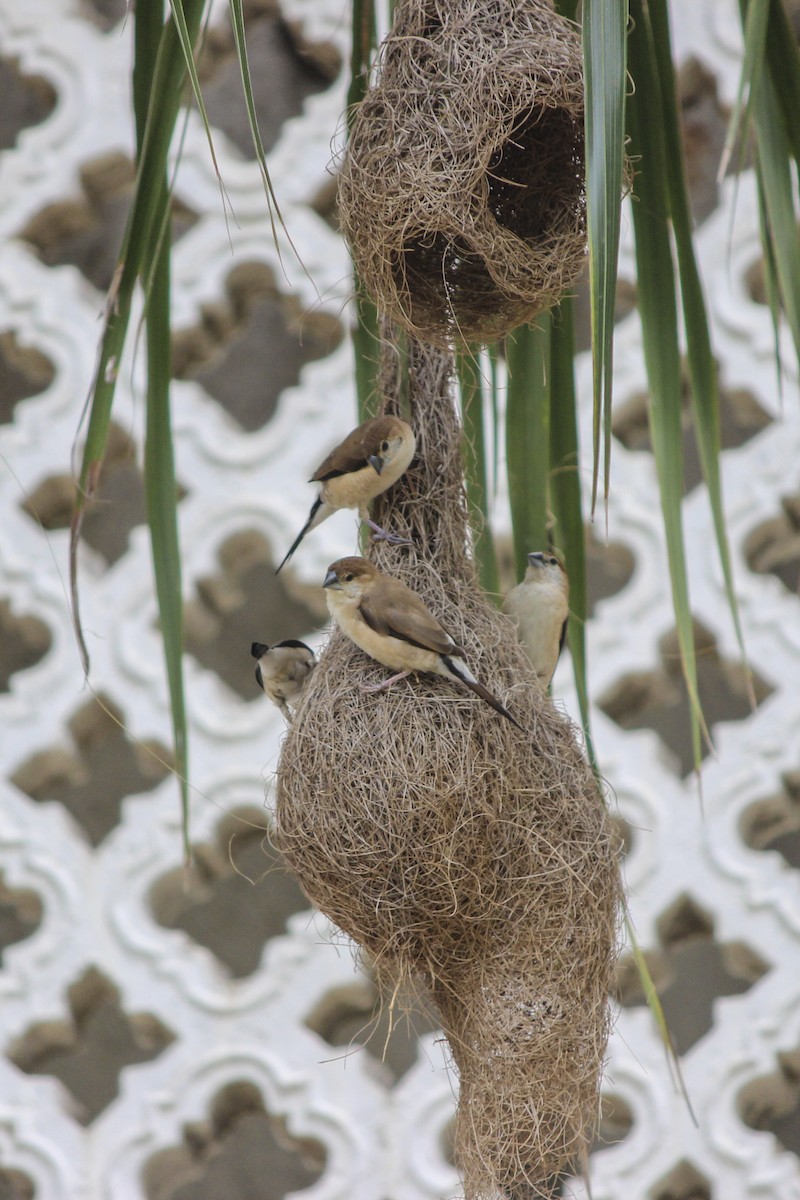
[(171, 1042)]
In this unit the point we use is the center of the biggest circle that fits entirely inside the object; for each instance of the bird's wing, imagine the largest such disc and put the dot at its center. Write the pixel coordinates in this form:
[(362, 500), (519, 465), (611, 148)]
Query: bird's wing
[(302, 665), (349, 456), (563, 637), (394, 610)]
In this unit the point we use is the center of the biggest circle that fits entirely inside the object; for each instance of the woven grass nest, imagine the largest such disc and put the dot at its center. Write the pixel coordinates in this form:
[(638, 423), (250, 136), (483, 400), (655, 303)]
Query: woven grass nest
[(468, 859), (462, 187)]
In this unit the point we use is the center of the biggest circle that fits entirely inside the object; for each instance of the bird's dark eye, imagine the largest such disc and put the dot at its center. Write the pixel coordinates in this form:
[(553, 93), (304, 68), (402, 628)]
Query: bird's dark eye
[(348, 577), (553, 562), (384, 446)]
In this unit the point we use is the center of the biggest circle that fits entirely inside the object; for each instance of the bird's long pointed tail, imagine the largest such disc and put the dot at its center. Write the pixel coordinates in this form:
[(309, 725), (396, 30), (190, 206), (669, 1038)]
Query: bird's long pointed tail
[(461, 671), (310, 523)]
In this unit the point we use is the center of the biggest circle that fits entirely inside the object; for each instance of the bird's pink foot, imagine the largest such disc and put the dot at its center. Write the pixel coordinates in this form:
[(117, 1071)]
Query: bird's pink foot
[(387, 683), (383, 535)]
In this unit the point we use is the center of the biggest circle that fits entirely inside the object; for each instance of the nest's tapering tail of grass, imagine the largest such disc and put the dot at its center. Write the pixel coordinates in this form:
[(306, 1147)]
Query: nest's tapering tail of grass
[(467, 858)]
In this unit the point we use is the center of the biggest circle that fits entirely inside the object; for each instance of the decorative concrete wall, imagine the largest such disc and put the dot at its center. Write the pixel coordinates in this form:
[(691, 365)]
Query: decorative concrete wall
[(175, 1037)]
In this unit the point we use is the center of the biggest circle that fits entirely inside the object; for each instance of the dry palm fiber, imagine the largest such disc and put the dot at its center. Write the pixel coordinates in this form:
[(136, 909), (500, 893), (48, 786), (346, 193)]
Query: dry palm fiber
[(461, 192), (466, 857)]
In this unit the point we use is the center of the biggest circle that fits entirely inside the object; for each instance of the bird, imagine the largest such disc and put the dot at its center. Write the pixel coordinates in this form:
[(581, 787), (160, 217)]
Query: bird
[(282, 670), (539, 606), (366, 463), (390, 622)]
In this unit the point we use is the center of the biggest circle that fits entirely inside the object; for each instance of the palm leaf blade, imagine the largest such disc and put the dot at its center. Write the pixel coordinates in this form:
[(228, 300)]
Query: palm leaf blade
[(605, 67), (565, 495), (160, 493), (528, 437), (167, 74), (475, 469), (702, 366), (660, 334)]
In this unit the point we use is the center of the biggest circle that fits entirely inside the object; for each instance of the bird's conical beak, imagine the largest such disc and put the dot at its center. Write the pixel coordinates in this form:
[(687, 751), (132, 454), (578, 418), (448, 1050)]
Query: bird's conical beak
[(258, 649), (376, 462), (330, 581), (536, 558)]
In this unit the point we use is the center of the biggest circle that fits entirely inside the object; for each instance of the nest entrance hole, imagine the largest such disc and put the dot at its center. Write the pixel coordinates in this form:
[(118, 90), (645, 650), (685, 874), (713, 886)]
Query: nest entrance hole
[(544, 145), (441, 273)]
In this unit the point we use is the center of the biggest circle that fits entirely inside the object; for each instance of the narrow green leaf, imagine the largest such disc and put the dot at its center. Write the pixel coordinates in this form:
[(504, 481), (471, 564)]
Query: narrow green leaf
[(273, 209), (528, 437), (187, 38), (605, 68), (160, 482), (366, 339), (774, 154), (771, 286), (568, 9), (362, 45), (702, 365), (94, 448), (565, 494), (148, 31), (783, 60), (493, 358), (654, 1004), (755, 38), (475, 473), (658, 313), (780, 90), (161, 497), (367, 352), (146, 211)]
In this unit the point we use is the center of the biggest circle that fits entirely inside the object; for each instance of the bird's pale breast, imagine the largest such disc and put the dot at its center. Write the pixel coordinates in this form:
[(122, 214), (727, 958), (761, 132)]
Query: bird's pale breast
[(390, 651)]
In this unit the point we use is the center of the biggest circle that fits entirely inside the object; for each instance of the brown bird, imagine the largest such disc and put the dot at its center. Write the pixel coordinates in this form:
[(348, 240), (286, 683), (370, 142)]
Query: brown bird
[(539, 606), (283, 670), (389, 621), (366, 463)]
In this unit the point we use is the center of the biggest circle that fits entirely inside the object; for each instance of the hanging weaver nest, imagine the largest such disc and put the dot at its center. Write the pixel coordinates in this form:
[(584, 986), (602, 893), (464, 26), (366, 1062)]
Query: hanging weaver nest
[(467, 858), (461, 191)]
